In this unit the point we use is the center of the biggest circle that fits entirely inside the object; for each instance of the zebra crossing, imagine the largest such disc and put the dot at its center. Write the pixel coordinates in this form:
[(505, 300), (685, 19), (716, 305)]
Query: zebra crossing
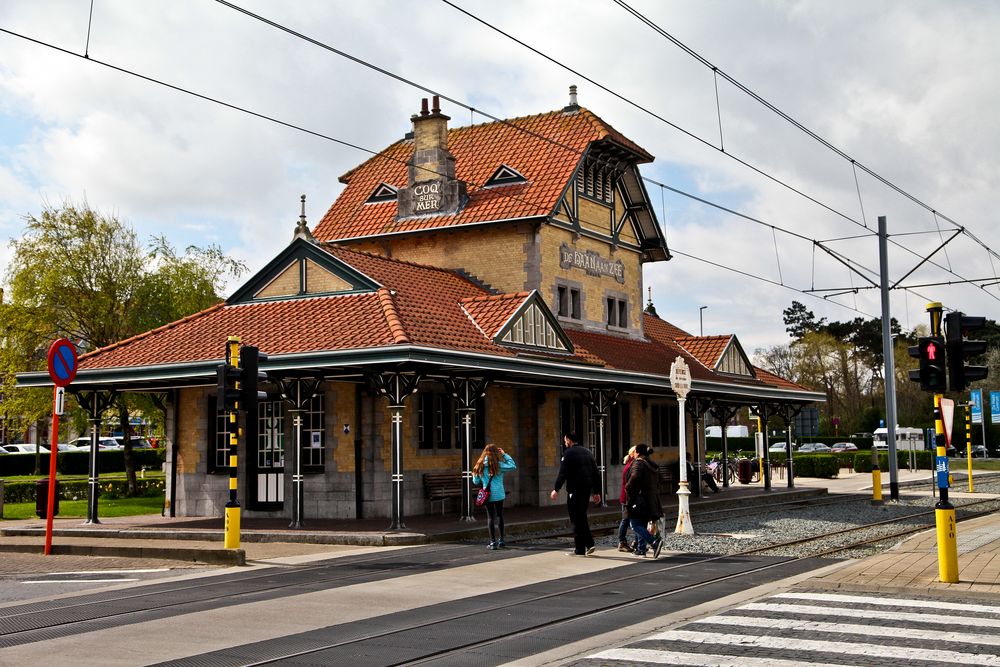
[(819, 629)]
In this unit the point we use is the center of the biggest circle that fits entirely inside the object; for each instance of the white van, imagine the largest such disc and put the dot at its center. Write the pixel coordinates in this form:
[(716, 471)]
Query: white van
[(737, 432), (713, 431), (907, 439)]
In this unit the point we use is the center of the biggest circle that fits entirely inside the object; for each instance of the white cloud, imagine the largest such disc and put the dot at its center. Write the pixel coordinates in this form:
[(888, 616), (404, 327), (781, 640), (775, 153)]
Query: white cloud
[(903, 87)]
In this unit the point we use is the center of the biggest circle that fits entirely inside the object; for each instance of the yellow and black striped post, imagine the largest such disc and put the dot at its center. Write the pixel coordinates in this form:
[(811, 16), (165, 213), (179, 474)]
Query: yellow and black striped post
[(232, 529), (944, 511), (968, 443)]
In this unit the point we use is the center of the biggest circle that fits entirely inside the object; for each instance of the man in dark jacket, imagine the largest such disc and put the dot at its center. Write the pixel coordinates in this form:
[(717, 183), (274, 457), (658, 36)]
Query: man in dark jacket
[(578, 471)]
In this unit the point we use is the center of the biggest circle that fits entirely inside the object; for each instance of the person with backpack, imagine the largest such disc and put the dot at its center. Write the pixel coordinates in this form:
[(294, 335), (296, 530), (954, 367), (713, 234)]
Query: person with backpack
[(578, 471)]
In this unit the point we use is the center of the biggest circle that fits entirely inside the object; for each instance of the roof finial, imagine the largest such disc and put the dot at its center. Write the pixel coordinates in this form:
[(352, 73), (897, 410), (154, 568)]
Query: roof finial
[(649, 304), (302, 229)]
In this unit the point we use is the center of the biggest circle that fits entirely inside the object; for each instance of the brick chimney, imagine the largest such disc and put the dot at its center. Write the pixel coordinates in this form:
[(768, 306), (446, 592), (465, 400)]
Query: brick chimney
[(432, 188)]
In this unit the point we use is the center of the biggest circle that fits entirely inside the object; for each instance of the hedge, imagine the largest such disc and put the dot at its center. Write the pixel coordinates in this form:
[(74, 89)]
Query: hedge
[(24, 492), (816, 465), (863, 460), (78, 463)]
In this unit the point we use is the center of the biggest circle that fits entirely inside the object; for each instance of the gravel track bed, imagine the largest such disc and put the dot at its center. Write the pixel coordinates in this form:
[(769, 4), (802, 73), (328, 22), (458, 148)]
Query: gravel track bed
[(728, 535)]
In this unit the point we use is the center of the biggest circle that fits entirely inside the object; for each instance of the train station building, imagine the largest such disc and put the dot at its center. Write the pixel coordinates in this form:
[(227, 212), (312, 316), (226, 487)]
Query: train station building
[(469, 285)]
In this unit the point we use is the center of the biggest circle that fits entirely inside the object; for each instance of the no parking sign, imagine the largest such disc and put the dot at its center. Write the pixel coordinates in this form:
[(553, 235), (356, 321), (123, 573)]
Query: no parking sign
[(62, 362)]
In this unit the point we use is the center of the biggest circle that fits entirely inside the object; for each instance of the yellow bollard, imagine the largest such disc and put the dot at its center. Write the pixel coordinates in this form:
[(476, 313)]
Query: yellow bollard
[(947, 545), (876, 486), (232, 533)]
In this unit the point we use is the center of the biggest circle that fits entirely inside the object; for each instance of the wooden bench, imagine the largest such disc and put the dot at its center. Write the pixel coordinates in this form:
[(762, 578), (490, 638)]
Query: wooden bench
[(668, 478), (440, 486)]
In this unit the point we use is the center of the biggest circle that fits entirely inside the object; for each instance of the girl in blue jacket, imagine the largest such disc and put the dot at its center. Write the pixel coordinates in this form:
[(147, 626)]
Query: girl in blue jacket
[(488, 472)]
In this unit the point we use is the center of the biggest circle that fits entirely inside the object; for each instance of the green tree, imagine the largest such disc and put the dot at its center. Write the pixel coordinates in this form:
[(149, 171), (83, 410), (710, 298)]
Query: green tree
[(82, 274)]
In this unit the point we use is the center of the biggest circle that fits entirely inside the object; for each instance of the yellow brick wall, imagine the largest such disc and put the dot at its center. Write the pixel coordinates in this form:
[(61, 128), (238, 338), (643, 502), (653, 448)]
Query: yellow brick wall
[(340, 411), (494, 254), (321, 280), (593, 286), (286, 283), (193, 431), (594, 216)]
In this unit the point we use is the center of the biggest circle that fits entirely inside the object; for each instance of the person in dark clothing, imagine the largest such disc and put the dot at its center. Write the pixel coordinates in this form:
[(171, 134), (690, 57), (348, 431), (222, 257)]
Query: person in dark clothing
[(643, 492), (706, 477), (578, 471)]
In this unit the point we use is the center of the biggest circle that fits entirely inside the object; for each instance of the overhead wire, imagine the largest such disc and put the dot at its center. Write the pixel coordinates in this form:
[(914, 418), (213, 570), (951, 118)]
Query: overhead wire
[(346, 143), (792, 121), (414, 84), (235, 107)]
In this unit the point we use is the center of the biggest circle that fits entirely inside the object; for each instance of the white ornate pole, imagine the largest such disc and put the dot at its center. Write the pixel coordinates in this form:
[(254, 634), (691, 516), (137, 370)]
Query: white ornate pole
[(680, 382)]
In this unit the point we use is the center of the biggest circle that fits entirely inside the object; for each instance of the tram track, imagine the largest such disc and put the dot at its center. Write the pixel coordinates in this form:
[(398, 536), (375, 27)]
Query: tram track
[(476, 617)]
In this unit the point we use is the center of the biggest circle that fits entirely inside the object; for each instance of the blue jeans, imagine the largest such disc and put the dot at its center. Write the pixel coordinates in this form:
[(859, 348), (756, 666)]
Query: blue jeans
[(644, 539), (623, 526)]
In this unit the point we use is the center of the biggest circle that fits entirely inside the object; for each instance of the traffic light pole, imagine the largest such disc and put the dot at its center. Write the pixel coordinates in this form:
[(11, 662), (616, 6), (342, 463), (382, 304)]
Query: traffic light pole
[(232, 529), (889, 359)]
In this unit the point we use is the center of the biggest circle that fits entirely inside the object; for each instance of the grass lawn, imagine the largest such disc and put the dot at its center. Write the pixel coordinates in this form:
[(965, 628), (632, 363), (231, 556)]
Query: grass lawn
[(150, 474), (78, 508)]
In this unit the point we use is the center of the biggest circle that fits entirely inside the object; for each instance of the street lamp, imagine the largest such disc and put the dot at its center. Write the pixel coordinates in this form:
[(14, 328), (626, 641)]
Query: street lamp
[(701, 321)]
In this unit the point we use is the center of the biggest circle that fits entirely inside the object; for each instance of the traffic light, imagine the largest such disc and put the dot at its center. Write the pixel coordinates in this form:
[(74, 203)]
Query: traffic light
[(229, 378), (957, 327), (931, 374), (252, 377)]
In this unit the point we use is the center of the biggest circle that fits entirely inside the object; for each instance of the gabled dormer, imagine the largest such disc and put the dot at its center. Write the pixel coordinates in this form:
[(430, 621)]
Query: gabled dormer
[(505, 175), (519, 321), (722, 354), (382, 193), (303, 269)]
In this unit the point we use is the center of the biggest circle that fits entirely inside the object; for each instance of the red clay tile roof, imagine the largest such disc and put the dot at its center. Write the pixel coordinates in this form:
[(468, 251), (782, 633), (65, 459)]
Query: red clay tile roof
[(708, 349), (490, 313), (546, 155), (418, 305)]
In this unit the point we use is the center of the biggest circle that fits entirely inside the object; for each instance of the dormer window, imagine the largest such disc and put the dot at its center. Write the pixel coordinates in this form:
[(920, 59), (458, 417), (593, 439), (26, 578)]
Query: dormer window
[(534, 329), (384, 192), (505, 176)]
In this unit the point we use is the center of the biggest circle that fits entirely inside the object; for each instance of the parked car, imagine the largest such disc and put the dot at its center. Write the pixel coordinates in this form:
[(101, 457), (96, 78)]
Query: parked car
[(844, 447), (25, 449), (137, 443), (102, 443), (813, 448), (779, 447), (980, 450)]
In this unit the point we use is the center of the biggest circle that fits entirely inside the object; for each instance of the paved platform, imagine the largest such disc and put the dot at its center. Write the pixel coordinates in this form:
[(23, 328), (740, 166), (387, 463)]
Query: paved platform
[(910, 566)]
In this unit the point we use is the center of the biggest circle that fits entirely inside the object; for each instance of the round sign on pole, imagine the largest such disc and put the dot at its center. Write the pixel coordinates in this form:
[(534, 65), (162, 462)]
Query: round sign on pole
[(680, 377), (62, 362)]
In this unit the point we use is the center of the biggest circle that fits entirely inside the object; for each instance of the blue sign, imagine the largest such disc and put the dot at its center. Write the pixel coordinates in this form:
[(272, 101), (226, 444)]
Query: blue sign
[(976, 399), (62, 362), (995, 407), (942, 471)]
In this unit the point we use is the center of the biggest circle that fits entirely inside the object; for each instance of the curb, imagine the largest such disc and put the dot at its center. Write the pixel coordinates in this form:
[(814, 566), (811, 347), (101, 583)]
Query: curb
[(207, 556)]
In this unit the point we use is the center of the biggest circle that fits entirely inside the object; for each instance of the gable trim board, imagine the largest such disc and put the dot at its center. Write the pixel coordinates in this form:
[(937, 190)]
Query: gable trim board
[(297, 253)]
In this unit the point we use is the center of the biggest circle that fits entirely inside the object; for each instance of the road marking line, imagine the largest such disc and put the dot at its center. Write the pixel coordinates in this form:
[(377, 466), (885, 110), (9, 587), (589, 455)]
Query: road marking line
[(937, 619), (136, 571), (697, 659), (890, 602), (853, 649), (75, 581), (850, 629)]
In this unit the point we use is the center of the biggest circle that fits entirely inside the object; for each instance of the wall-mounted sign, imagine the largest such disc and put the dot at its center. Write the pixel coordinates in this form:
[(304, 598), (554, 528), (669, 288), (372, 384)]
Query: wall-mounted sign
[(591, 262), (317, 440), (427, 197)]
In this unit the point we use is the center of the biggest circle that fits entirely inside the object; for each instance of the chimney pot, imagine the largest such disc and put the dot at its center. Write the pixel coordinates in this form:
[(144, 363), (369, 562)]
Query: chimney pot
[(423, 107), (572, 96), (437, 105)]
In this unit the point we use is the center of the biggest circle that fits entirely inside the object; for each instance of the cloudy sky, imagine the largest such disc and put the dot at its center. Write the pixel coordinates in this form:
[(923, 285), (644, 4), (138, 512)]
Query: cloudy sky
[(907, 89)]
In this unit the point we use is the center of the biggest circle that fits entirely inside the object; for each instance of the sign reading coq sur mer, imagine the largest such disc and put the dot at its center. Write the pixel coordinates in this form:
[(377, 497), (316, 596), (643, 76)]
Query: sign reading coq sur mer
[(591, 262)]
